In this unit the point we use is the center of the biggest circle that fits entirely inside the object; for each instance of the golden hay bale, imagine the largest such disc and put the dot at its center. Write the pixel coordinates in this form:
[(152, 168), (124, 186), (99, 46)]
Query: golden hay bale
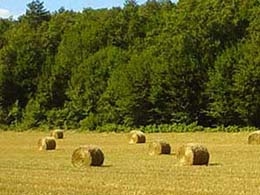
[(254, 137), (47, 143), (159, 147), (87, 156), (136, 137), (193, 154), (58, 133)]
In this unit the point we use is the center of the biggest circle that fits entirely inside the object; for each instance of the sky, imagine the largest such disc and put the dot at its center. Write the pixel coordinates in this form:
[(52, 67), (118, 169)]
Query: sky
[(18, 7)]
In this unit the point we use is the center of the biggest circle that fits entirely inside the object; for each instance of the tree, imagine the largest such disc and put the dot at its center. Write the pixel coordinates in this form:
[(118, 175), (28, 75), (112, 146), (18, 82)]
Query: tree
[(220, 89), (5, 24), (36, 13), (154, 63), (89, 80), (21, 60), (247, 82), (127, 95)]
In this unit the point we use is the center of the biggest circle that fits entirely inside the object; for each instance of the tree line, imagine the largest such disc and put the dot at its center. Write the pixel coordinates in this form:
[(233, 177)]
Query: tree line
[(137, 65)]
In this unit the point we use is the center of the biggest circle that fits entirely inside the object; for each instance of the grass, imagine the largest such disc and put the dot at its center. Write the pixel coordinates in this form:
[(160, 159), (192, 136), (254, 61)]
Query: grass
[(128, 169)]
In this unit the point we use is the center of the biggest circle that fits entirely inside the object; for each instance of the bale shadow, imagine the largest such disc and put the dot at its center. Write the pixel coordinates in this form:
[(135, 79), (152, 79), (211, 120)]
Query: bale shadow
[(105, 166), (215, 164)]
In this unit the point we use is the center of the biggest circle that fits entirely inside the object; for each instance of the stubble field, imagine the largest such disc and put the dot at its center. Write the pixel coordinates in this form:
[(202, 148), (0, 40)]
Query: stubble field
[(128, 169)]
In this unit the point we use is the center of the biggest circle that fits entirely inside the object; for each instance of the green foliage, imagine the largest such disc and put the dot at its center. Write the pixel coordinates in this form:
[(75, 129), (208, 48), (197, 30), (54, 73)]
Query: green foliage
[(5, 24), (176, 127), (33, 115), (220, 89), (247, 84), (89, 123), (15, 115), (66, 118), (36, 13), (160, 67)]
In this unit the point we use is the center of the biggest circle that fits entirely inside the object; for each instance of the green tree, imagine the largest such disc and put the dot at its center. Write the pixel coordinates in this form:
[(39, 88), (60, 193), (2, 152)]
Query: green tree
[(21, 60), (247, 77), (89, 80), (5, 24), (36, 14), (220, 89), (49, 83), (127, 95)]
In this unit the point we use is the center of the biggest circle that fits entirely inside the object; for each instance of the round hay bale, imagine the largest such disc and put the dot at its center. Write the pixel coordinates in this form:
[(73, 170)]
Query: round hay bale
[(193, 154), (47, 143), (254, 138), (87, 156), (159, 147), (136, 137), (58, 134)]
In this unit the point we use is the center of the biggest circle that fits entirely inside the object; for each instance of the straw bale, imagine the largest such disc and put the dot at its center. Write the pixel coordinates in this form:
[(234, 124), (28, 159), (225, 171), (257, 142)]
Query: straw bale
[(159, 147), (136, 137), (87, 155), (47, 143), (193, 154), (57, 133), (254, 138)]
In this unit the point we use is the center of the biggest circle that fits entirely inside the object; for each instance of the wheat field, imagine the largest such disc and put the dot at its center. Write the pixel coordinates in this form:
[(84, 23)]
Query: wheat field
[(128, 169)]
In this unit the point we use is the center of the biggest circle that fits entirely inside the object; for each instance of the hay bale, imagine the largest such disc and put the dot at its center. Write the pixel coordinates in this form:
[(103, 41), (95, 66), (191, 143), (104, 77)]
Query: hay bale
[(159, 147), (57, 133), (254, 138), (87, 156), (47, 143), (193, 154), (136, 137)]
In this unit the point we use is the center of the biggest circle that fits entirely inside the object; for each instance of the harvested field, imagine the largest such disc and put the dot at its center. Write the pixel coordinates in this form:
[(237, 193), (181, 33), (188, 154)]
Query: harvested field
[(128, 169)]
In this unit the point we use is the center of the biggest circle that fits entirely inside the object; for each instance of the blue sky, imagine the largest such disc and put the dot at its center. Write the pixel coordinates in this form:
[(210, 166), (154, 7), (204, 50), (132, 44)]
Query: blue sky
[(17, 7)]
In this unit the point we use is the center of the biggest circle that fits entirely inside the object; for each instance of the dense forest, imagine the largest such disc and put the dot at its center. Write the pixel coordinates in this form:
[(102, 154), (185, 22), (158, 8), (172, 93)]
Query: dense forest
[(137, 65)]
